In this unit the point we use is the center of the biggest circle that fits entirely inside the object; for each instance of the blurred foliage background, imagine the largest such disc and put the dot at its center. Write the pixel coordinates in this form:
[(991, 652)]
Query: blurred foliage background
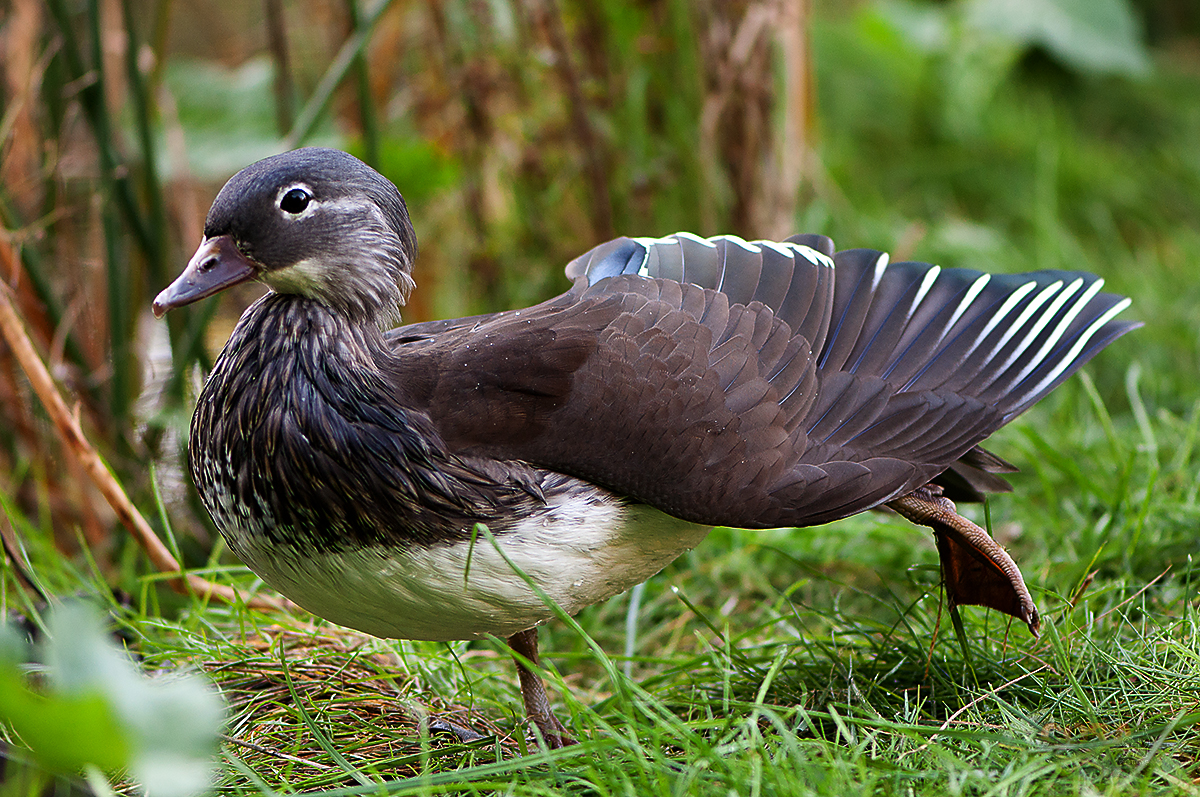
[(998, 134)]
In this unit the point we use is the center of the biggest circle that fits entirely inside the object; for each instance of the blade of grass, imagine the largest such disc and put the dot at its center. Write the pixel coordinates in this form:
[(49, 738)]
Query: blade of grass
[(334, 74), (89, 79), (367, 116), (318, 735)]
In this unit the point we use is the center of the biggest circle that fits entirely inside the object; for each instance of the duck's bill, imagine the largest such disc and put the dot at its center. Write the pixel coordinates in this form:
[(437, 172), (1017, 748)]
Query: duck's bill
[(216, 265)]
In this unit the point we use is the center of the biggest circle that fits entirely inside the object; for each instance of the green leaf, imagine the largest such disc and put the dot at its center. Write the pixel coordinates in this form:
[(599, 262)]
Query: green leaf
[(100, 710), (64, 731), (228, 116), (924, 26), (418, 167), (1100, 36)]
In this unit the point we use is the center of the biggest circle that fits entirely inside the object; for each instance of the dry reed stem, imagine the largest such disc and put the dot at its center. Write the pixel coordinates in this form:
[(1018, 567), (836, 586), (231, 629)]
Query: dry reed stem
[(791, 138), (354, 688), (74, 441), (594, 153)]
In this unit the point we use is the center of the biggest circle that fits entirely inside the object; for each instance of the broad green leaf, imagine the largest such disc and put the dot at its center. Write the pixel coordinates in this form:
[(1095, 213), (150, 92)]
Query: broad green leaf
[(99, 709), (1089, 35), (228, 116), (64, 732)]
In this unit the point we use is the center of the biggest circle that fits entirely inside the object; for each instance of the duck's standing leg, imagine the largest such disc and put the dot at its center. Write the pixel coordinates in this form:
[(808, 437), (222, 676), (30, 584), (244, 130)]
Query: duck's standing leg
[(975, 569), (537, 704)]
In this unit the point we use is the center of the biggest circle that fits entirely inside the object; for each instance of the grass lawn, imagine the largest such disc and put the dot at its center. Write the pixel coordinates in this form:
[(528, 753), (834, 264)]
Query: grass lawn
[(787, 662)]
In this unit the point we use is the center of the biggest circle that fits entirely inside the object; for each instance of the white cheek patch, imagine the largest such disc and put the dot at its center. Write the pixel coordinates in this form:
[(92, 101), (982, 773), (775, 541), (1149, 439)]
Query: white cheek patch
[(347, 205), (306, 278)]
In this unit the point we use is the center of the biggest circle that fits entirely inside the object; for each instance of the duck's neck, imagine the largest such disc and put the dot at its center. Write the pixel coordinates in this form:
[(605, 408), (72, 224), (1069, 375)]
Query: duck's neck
[(292, 340), (300, 437)]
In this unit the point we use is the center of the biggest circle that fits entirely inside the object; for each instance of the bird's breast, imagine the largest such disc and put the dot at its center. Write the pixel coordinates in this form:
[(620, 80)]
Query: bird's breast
[(582, 546), (299, 440)]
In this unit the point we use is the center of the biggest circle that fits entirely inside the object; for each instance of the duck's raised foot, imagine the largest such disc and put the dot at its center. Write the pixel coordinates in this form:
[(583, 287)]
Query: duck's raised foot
[(975, 569)]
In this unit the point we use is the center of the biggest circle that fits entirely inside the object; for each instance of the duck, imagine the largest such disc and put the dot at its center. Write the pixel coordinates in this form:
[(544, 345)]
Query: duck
[(469, 478)]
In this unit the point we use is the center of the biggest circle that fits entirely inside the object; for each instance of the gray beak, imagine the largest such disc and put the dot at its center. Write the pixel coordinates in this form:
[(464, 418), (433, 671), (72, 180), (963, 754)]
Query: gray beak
[(216, 265)]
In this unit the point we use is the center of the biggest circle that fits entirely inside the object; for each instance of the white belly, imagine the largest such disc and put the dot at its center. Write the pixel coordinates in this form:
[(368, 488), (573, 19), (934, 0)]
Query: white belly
[(578, 551)]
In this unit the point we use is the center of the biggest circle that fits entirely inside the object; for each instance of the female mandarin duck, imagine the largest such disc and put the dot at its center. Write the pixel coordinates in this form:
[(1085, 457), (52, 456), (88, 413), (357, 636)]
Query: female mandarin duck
[(681, 383)]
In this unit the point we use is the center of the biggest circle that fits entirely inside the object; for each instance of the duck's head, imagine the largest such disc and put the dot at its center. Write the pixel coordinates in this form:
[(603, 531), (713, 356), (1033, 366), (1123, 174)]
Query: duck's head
[(314, 222)]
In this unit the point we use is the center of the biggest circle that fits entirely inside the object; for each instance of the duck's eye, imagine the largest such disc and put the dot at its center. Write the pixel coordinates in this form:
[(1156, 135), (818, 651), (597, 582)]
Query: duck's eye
[(295, 201)]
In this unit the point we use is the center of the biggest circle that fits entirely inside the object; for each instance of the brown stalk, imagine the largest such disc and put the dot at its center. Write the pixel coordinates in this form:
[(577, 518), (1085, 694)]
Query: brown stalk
[(22, 76), (285, 114), (77, 445), (590, 145), (736, 108), (791, 141)]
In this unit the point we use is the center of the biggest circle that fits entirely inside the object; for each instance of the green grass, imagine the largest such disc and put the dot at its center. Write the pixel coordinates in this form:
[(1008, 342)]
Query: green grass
[(815, 661)]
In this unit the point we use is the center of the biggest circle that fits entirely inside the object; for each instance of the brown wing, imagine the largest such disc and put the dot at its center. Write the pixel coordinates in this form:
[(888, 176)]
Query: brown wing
[(662, 391), (708, 401)]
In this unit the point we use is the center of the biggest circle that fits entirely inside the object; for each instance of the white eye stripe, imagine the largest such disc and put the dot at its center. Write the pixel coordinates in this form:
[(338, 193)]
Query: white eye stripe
[(282, 192), (350, 203), (310, 202), (340, 204)]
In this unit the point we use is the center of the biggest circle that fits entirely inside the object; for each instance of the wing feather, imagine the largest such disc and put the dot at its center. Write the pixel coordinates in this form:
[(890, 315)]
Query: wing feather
[(757, 384)]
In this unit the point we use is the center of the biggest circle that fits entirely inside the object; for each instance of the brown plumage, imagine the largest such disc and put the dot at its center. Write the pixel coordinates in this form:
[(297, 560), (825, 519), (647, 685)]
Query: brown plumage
[(680, 383)]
